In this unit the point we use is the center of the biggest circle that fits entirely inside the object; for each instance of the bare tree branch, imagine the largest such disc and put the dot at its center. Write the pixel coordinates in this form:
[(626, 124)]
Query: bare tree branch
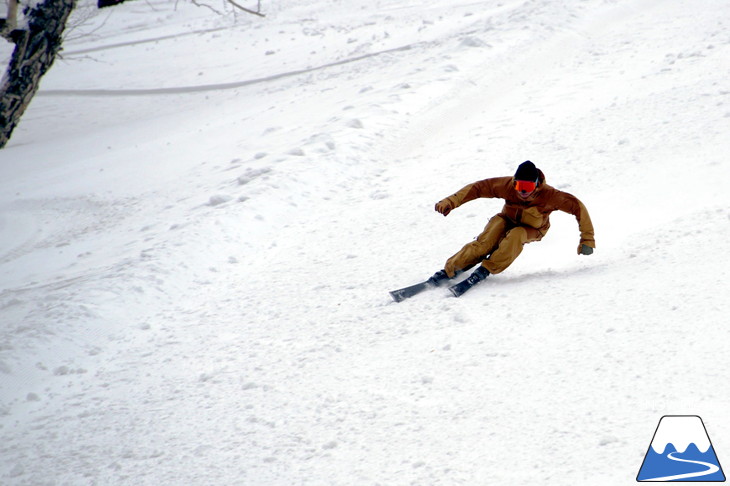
[(205, 5), (247, 10)]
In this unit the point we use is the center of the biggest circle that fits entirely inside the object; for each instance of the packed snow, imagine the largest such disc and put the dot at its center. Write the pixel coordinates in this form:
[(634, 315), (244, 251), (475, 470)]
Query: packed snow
[(202, 213)]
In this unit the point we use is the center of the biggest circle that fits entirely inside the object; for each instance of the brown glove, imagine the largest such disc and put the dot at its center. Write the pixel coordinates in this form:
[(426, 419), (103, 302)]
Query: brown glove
[(444, 207)]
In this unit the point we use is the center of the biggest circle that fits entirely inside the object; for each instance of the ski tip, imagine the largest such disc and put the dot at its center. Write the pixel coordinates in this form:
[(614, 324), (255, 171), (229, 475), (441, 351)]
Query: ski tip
[(397, 296), (459, 289)]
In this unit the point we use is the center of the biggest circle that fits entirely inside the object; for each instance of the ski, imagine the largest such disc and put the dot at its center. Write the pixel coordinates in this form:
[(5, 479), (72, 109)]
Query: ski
[(407, 292), (460, 288), (439, 279)]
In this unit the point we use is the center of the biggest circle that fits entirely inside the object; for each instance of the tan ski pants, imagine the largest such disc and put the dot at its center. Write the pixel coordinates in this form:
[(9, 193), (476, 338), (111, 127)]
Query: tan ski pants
[(496, 247)]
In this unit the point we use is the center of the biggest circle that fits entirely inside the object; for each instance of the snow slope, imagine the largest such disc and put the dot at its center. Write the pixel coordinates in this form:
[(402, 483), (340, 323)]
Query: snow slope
[(201, 216)]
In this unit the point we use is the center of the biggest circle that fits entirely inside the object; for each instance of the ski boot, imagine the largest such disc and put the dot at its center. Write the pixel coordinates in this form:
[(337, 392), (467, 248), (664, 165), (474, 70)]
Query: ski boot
[(438, 278)]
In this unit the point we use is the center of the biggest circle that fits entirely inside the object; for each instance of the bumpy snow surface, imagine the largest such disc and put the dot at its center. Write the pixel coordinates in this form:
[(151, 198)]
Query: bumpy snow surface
[(202, 213)]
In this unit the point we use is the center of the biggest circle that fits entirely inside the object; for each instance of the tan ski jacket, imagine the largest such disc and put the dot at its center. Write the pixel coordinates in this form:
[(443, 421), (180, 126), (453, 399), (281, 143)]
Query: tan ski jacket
[(533, 211)]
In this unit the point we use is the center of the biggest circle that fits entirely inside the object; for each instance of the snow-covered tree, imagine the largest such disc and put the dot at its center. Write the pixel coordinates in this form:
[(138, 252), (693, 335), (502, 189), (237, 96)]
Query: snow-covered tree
[(36, 30)]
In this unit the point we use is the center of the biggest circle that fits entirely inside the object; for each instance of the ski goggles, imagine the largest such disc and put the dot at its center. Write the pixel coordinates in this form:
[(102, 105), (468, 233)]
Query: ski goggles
[(525, 186)]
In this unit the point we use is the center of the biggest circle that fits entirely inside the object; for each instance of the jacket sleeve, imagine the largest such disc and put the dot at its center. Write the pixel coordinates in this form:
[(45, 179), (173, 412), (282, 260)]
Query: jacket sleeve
[(485, 188), (572, 205)]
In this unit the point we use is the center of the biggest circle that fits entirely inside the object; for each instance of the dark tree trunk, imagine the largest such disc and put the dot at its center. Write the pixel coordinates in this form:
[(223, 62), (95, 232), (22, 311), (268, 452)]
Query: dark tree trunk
[(35, 51)]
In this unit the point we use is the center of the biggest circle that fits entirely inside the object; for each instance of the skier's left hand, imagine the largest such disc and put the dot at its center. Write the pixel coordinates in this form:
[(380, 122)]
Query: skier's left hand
[(444, 207), (584, 249)]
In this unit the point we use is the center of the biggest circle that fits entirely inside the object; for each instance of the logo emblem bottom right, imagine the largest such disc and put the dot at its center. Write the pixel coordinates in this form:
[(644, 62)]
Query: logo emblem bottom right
[(680, 451)]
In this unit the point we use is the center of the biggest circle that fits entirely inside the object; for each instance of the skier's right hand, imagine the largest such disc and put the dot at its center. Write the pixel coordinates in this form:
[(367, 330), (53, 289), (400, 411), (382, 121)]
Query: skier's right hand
[(444, 207)]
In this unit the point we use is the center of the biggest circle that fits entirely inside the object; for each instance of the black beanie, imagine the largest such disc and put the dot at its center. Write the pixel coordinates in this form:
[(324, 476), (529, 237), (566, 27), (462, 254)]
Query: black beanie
[(526, 172)]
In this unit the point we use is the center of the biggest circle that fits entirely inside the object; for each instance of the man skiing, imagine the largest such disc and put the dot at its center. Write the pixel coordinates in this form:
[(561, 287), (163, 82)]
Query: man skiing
[(523, 219)]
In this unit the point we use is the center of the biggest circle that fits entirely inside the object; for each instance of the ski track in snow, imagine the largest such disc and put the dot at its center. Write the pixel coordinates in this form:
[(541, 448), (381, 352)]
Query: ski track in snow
[(194, 285), (216, 87)]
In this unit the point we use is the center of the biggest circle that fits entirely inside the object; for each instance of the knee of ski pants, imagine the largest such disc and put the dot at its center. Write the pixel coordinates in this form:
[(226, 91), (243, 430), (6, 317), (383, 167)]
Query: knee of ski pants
[(525, 234), (493, 231)]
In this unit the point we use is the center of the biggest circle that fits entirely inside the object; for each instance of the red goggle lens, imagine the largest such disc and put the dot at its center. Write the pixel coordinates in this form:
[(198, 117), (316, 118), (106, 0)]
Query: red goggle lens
[(525, 186)]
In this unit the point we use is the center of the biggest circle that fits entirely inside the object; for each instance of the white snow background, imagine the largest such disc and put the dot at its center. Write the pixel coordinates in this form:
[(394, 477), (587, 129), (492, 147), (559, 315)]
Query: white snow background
[(201, 216)]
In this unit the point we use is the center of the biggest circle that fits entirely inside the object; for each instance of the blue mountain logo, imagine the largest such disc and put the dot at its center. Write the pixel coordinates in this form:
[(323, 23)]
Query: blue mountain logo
[(681, 451)]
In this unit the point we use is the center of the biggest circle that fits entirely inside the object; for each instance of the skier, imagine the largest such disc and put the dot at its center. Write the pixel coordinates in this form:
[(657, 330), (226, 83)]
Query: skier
[(524, 219)]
